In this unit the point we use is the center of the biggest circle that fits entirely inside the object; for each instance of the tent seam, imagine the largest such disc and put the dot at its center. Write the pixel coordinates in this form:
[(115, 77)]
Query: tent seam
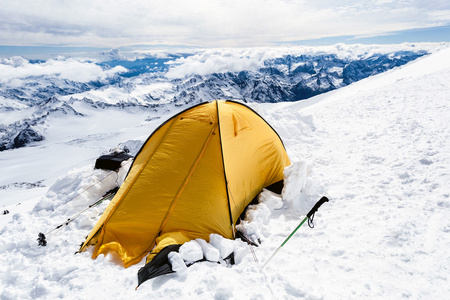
[(186, 180), (224, 172), (102, 232)]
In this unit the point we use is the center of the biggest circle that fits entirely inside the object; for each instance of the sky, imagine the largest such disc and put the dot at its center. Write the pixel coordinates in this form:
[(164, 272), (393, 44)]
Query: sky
[(81, 24)]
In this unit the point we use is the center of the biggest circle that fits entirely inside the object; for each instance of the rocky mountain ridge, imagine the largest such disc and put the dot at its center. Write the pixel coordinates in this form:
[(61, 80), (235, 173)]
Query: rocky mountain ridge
[(144, 83)]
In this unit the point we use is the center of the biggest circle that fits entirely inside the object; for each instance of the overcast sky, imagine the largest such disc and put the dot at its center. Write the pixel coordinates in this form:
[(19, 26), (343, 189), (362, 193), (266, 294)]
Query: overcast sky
[(208, 23)]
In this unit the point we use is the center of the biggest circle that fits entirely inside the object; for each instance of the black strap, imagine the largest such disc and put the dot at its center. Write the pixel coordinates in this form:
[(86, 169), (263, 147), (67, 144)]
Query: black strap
[(313, 210), (311, 220)]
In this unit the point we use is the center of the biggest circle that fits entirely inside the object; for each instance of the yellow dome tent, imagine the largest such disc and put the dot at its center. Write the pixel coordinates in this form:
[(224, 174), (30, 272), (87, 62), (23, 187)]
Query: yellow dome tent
[(193, 176)]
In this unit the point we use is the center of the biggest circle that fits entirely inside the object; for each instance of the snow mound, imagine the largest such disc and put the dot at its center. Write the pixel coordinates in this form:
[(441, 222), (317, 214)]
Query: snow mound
[(209, 251), (300, 192), (177, 262), (191, 252), (225, 246)]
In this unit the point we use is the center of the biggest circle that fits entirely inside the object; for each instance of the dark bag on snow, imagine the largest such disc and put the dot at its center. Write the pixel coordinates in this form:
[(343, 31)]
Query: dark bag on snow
[(111, 161)]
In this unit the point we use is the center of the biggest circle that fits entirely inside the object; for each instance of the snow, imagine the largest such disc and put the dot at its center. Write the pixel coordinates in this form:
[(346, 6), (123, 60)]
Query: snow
[(225, 246), (378, 148), (210, 252), (177, 263), (191, 252)]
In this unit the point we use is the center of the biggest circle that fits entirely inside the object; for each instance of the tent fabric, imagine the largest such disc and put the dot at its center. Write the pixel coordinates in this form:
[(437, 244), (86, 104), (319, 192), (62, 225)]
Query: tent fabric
[(193, 176)]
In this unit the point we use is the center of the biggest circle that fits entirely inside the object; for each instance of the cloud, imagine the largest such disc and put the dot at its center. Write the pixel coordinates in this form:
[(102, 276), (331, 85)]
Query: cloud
[(212, 23), (15, 69), (217, 61), (209, 61)]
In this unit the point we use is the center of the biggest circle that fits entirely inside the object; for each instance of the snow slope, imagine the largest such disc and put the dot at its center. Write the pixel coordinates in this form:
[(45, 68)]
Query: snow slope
[(379, 149)]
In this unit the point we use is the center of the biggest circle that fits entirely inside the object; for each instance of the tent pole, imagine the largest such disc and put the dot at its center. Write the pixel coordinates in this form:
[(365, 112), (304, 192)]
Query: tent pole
[(309, 216), (42, 238)]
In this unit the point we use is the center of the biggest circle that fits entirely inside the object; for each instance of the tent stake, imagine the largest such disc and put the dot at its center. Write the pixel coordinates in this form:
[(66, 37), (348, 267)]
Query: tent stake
[(309, 216)]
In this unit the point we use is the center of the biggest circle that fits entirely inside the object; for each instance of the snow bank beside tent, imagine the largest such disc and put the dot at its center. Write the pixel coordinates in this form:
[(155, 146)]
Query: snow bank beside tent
[(54, 271)]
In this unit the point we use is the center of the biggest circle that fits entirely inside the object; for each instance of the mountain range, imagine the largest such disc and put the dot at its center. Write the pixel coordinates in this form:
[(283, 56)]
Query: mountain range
[(152, 81)]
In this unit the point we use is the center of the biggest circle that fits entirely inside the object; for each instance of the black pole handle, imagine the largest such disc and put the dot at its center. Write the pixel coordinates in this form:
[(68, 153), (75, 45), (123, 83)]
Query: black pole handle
[(316, 207)]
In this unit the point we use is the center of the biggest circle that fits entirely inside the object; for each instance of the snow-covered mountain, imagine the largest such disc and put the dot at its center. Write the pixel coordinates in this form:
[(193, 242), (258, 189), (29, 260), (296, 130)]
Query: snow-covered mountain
[(31, 91), (378, 148)]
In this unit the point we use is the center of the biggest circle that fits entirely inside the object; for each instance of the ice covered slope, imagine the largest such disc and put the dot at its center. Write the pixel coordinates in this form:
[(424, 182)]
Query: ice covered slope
[(379, 149), (382, 150)]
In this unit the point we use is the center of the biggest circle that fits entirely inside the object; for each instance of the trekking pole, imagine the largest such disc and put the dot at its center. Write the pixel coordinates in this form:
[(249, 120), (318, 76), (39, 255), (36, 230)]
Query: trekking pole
[(309, 217), (42, 241)]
